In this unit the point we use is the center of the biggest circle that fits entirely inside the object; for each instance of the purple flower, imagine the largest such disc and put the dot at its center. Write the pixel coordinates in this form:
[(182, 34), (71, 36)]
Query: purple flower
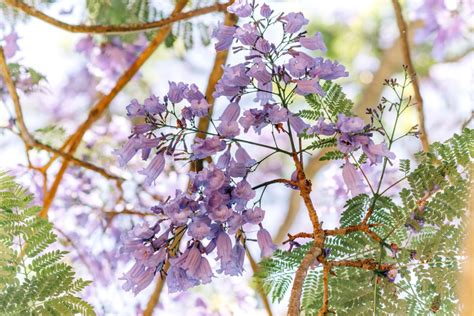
[(192, 93), (241, 194), (313, 43), (254, 216), (235, 222), (231, 113), (138, 278), (376, 152), (233, 80), (177, 216), (299, 64), (196, 266), (203, 148), (297, 124), (263, 46), (10, 46), (348, 124), (177, 280), (322, 128), (142, 128), (265, 11), (352, 179), (243, 157), (85, 44), (277, 114), (224, 35), (294, 22), (154, 168), (134, 109), (199, 108), (265, 243), (199, 227), (127, 152), (220, 214), (235, 266), (347, 143), (241, 8), (224, 160), (260, 72), (224, 247), (153, 106), (328, 70), (247, 34), (142, 231), (176, 91), (308, 86), (228, 129), (264, 93)]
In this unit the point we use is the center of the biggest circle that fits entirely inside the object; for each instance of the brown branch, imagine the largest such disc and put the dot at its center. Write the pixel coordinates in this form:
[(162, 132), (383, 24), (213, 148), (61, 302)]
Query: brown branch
[(298, 235), (402, 27), (29, 141), (96, 112), (111, 29), (349, 229), (260, 291), (369, 97), (325, 306), (300, 275), (366, 264)]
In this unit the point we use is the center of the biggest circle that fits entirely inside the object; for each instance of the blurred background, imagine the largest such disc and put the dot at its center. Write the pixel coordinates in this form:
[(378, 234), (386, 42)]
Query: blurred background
[(61, 75)]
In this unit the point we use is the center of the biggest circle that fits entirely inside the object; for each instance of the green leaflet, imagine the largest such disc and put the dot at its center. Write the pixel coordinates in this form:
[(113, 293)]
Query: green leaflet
[(33, 281), (329, 106), (424, 284)]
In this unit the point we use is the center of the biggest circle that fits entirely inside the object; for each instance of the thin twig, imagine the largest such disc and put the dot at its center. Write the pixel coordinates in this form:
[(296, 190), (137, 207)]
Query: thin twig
[(267, 183), (402, 27), (115, 29)]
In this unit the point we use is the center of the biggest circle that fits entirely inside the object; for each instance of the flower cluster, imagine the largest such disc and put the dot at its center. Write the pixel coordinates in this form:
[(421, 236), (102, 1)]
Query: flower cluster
[(215, 212), (108, 60), (442, 23), (352, 134)]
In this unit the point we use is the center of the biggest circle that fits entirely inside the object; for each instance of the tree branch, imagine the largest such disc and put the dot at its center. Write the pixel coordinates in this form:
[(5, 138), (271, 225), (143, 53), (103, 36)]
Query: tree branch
[(402, 27), (29, 141), (369, 97), (300, 275), (96, 112), (114, 29)]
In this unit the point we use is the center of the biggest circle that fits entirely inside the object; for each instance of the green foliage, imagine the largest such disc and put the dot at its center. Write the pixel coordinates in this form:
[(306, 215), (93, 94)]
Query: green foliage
[(33, 280), (427, 224), (332, 155), (329, 106)]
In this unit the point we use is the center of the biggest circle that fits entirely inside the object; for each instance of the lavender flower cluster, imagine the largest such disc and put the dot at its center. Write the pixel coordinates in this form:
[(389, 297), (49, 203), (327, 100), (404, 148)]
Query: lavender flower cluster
[(352, 134), (216, 205), (108, 60)]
